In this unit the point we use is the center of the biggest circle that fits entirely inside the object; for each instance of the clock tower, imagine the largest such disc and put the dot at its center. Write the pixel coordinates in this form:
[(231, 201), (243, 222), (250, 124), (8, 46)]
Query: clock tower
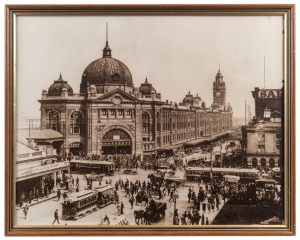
[(219, 91)]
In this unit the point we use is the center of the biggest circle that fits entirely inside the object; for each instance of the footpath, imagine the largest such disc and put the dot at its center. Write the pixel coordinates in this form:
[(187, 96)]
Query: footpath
[(41, 200)]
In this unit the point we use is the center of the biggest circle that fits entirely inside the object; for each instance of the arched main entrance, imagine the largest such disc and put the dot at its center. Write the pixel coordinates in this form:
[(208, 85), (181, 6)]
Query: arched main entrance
[(76, 148), (116, 141)]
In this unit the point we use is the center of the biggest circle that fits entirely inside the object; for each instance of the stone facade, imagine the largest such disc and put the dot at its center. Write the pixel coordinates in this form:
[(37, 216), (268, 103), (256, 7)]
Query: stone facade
[(110, 115)]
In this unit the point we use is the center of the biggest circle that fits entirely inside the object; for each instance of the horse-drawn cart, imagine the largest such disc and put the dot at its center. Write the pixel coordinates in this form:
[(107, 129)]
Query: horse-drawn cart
[(152, 213), (156, 210)]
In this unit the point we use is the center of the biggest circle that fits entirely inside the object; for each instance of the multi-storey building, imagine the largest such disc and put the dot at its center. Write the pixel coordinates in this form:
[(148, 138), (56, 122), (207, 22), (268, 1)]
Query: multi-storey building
[(109, 115), (262, 139), (270, 99), (36, 161)]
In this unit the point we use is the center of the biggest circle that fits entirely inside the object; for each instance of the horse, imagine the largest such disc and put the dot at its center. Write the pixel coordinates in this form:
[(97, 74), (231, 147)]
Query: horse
[(140, 214)]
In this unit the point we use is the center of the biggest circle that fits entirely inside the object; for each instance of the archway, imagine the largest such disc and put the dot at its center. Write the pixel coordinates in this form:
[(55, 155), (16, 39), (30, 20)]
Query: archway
[(272, 163), (76, 148), (254, 162), (263, 163), (116, 141)]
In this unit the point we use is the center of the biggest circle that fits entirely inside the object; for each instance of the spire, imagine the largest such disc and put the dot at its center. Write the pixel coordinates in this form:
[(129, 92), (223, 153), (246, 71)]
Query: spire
[(219, 71), (106, 33), (189, 92), (106, 50), (219, 76), (60, 79), (146, 81)]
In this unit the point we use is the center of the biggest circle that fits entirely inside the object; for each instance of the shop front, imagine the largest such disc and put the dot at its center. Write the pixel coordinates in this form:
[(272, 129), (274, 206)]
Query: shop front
[(35, 182)]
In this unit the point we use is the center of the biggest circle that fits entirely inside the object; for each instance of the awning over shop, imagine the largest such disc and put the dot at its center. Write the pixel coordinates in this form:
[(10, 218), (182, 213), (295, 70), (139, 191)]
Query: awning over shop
[(207, 139), (41, 134), (41, 170), (195, 142)]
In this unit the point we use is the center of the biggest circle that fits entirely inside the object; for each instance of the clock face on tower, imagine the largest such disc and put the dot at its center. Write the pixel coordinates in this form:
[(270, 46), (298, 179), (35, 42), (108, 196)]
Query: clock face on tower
[(116, 100), (218, 94)]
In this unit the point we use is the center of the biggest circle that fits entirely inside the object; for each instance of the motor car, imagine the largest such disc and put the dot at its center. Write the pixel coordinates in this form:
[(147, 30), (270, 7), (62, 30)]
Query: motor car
[(165, 170), (130, 171), (93, 176)]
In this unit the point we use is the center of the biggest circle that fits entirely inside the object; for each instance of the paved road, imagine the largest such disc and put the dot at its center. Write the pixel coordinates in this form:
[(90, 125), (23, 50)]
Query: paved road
[(43, 213)]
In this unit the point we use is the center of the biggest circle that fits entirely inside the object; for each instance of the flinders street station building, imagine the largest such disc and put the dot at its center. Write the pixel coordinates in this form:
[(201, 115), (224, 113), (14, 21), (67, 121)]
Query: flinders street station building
[(110, 115)]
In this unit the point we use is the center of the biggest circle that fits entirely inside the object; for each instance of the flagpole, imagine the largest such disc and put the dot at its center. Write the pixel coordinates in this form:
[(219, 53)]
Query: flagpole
[(211, 154)]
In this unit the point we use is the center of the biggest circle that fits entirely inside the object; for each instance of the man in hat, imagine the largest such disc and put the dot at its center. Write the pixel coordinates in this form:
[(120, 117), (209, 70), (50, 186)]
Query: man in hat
[(56, 216), (25, 210)]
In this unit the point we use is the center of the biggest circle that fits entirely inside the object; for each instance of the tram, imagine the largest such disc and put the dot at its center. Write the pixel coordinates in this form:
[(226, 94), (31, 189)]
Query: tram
[(208, 173), (105, 195), (229, 179), (87, 201), (79, 204), (266, 185), (89, 166)]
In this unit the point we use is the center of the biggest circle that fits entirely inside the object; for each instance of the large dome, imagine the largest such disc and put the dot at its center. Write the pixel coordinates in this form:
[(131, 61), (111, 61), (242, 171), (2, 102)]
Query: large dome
[(106, 71)]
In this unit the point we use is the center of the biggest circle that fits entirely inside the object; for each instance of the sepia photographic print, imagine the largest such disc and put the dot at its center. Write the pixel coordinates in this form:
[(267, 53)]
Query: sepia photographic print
[(149, 120)]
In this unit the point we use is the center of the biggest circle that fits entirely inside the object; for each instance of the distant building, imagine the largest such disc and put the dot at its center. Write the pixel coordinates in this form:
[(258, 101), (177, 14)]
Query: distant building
[(262, 138), (110, 115)]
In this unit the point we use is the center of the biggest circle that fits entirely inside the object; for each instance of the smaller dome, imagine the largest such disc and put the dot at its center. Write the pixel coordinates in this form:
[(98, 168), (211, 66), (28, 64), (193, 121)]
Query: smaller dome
[(57, 87), (197, 98), (146, 88), (188, 99)]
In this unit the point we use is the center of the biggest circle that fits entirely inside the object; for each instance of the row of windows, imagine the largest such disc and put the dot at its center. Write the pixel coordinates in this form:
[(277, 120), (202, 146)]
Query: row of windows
[(87, 201), (76, 127), (107, 113)]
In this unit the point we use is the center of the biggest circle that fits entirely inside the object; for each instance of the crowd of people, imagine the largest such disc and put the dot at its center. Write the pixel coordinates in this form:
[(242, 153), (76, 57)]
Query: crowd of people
[(203, 200)]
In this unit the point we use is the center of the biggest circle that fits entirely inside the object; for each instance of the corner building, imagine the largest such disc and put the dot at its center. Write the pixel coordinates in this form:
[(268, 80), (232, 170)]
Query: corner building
[(110, 115)]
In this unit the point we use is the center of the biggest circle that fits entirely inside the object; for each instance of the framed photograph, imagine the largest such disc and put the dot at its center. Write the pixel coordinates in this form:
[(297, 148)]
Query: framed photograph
[(150, 120)]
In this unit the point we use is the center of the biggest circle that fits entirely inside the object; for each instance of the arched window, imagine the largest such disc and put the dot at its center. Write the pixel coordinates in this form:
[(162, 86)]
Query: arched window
[(272, 163), (76, 124), (263, 163), (146, 122), (54, 120), (254, 162)]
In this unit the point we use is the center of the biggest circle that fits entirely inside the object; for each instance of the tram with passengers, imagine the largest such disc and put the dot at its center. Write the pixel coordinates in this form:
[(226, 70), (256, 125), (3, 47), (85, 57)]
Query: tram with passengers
[(105, 195), (92, 166), (207, 173), (79, 204), (87, 201)]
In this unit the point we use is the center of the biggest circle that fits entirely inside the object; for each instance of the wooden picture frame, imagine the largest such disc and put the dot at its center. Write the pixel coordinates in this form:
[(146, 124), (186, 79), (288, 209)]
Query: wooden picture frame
[(12, 72)]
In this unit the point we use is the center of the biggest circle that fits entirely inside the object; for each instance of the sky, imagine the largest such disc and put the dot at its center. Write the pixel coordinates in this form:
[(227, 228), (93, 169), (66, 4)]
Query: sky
[(178, 54)]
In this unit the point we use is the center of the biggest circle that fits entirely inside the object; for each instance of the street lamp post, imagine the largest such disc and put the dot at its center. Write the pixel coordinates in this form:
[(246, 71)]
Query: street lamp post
[(175, 197)]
